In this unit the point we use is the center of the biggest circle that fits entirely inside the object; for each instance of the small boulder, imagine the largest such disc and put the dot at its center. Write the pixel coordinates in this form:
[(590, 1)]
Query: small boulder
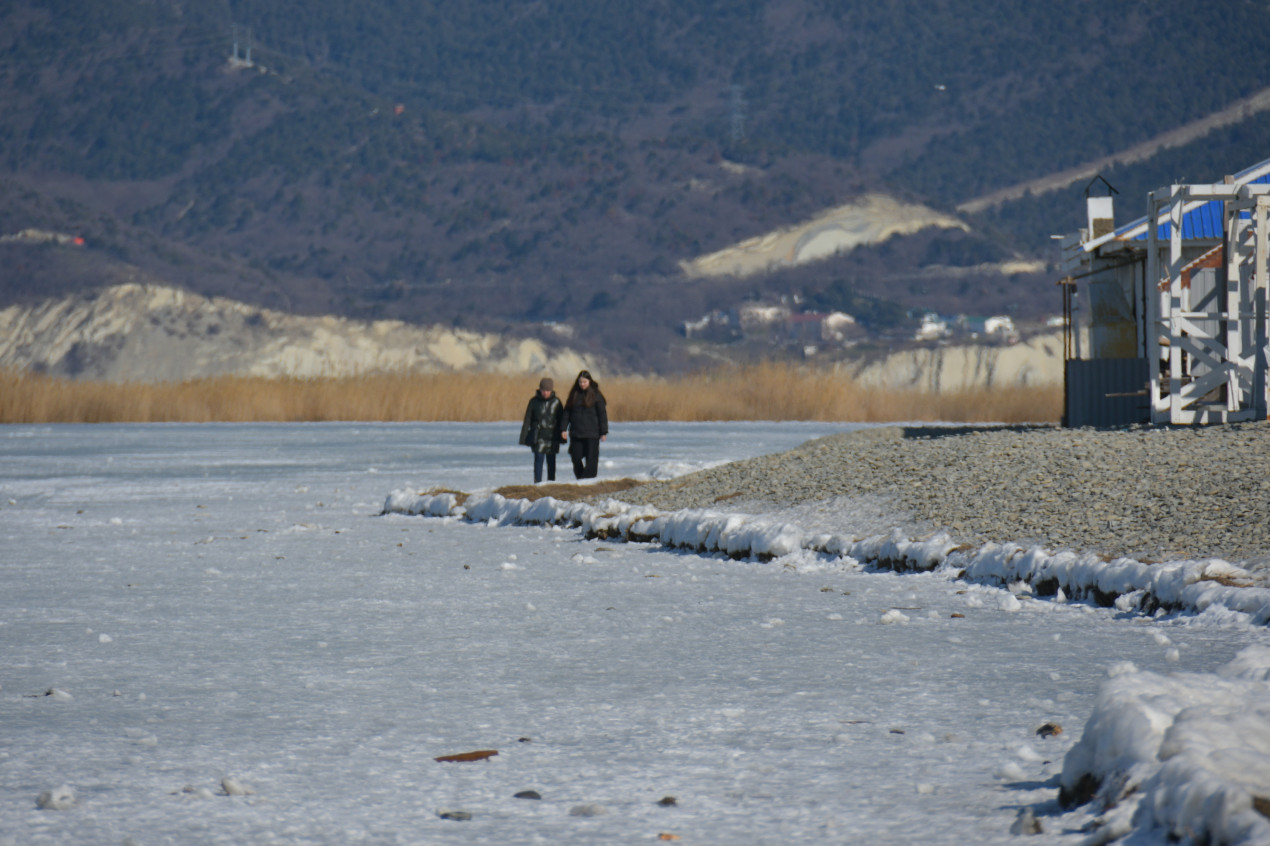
[(457, 816), (1026, 823), (58, 799), (234, 787)]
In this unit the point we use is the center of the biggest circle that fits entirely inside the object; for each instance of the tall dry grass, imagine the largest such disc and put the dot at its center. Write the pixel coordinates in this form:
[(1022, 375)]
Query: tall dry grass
[(785, 392), (760, 392)]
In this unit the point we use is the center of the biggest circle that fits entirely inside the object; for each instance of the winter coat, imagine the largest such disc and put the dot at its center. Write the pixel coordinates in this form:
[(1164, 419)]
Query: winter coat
[(583, 422), (544, 420)]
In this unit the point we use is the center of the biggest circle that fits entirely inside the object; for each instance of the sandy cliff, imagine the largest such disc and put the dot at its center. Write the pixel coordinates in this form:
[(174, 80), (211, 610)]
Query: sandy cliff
[(1035, 361), (870, 220), (139, 332)]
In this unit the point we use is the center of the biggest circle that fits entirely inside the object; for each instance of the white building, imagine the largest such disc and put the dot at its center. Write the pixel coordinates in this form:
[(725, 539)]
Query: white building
[(1166, 316)]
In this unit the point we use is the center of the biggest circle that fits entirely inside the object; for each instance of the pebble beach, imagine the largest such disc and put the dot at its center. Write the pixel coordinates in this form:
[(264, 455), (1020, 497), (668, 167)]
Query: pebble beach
[(1149, 493)]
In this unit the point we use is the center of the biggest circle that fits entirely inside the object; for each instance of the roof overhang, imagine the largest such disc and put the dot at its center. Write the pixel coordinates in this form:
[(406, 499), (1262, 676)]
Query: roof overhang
[(1217, 192)]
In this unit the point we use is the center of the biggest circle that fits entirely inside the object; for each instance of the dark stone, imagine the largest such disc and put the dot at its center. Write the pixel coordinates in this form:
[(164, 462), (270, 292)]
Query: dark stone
[(528, 794), (1082, 791), (1046, 587), (458, 816)]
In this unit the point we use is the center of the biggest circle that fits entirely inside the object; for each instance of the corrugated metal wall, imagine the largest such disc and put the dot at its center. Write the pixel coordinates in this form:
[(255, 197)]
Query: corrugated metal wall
[(1107, 392)]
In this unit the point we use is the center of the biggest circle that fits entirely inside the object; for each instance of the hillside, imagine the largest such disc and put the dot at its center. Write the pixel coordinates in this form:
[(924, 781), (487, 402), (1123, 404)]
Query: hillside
[(527, 167)]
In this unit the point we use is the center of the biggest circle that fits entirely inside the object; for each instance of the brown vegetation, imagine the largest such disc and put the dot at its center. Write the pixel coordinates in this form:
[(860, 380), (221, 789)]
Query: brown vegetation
[(464, 757), (761, 392), (565, 491)]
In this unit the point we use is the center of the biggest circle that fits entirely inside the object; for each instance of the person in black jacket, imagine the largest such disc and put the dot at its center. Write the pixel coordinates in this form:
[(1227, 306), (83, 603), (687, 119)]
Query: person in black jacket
[(543, 429), (586, 423)]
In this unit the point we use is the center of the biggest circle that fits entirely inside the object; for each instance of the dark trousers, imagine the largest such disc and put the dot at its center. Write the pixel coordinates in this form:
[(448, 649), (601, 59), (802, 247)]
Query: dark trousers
[(585, 453), (550, 458)]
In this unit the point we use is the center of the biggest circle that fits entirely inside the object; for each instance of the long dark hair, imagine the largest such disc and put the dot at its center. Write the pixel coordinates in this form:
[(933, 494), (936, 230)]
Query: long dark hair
[(589, 396)]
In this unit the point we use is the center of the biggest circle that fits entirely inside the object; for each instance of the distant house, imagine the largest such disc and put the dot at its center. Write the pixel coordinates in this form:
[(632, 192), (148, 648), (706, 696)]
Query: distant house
[(998, 327), (754, 316), (837, 326), (716, 325), (932, 328), (1166, 316)]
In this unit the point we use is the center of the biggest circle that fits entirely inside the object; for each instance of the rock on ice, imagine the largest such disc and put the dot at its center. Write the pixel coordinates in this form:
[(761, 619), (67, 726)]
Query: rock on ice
[(57, 799)]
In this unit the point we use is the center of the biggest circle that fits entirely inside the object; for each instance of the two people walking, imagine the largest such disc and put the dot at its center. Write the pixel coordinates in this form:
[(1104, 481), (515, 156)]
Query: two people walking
[(581, 421)]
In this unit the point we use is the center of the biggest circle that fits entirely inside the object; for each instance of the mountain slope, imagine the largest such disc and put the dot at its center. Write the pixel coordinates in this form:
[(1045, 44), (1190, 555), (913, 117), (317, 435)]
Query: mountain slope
[(506, 165)]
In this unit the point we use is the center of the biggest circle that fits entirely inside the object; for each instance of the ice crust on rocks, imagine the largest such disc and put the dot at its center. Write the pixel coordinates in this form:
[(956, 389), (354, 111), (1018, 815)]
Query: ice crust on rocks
[(1191, 586), (1187, 754)]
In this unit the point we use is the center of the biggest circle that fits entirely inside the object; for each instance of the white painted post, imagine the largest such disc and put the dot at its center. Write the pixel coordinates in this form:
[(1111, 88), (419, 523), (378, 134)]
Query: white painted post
[(1154, 316), (1233, 302), (1261, 284), (1178, 302)]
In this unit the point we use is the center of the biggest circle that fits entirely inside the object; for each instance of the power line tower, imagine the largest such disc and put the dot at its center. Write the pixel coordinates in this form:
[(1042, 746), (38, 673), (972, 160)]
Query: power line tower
[(245, 60)]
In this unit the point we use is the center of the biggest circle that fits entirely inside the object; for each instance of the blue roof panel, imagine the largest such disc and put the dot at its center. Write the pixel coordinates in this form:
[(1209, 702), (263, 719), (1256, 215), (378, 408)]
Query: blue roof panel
[(1201, 222)]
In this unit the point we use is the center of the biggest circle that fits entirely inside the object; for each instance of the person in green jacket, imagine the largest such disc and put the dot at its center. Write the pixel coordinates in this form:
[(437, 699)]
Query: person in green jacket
[(541, 429)]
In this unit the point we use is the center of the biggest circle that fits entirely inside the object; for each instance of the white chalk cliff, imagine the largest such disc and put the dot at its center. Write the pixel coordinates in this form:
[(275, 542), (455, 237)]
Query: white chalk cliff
[(144, 332), (1036, 361)]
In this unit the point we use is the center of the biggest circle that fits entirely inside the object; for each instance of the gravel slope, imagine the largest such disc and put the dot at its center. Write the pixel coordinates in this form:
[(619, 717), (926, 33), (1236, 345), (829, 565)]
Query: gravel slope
[(1152, 493)]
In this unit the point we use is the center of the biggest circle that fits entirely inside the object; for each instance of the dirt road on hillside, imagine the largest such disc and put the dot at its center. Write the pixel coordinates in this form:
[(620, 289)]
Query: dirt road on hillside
[(1239, 110)]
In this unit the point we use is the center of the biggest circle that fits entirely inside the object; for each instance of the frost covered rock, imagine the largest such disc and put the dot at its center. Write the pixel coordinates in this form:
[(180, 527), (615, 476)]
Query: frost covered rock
[(234, 787), (437, 504), (1010, 771), (58, 799), (1009, 602), (1187, 755), (1026, 823)]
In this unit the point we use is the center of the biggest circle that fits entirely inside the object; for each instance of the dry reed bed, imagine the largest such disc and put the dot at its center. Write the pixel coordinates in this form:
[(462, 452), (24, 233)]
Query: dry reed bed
[(761, 392)]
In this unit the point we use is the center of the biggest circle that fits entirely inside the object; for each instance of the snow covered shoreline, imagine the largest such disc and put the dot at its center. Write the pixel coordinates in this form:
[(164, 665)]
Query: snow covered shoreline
[(1131, 586), (1144, 493), (1180, 754), (218, 608)]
